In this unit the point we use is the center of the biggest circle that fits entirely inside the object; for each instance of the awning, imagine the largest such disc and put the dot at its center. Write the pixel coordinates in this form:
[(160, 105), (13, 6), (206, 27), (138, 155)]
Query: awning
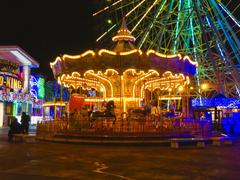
[(17, 55)]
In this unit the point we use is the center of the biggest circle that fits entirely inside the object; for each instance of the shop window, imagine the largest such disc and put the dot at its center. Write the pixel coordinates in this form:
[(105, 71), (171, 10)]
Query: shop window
[(19, 109), (8, 108), (37, 111)]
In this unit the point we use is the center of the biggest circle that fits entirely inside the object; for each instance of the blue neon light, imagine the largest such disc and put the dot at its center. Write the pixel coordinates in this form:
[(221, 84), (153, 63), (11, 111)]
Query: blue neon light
[(216, 102)]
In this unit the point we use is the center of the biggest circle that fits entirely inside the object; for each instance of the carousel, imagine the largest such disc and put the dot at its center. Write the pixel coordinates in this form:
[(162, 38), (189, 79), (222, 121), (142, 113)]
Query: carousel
[(121, 87), (126, 75)]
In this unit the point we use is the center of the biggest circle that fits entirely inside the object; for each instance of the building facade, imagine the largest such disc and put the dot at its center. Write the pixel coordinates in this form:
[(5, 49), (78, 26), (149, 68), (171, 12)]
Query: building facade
[(16, 94)]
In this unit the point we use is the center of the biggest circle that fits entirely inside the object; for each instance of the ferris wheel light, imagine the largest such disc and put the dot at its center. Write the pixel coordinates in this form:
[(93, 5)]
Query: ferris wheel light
[(170, 28), (109, 21), (204, 86)]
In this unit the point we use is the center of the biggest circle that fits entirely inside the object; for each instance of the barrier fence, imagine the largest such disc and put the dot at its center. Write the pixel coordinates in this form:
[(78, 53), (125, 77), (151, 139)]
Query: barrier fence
[(152, 127)]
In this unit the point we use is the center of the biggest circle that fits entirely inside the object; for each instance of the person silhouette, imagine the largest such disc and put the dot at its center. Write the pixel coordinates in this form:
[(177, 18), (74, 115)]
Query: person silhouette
[(25, 120), (15, 128)]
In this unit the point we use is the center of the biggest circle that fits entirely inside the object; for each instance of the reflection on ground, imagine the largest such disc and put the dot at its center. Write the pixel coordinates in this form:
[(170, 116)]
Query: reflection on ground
[(74, 161)]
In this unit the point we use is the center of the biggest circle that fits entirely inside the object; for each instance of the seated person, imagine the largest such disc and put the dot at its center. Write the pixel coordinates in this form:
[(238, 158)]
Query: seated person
[(84, 112), (15, 128)]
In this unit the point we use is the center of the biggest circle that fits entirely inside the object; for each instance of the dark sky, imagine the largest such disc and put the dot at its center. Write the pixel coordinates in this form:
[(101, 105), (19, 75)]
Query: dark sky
[(48, 28)]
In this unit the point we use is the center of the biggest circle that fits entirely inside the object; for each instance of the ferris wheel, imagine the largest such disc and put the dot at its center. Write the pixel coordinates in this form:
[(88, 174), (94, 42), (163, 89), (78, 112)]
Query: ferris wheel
[(206, 30)]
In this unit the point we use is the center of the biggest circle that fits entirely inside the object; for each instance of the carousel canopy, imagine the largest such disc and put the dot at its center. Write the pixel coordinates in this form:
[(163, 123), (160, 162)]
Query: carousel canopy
[(123, 56), (105, 59)]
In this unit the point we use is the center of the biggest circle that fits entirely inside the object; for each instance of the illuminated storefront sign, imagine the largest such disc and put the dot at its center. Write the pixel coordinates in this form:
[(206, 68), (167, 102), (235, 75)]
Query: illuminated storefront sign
[(37, 87), (13, 96), (10, 82), (41, 89)]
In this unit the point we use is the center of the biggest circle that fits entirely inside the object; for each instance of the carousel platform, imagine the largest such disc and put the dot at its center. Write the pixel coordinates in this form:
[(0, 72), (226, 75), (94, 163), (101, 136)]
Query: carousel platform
[(190, 133), (173, 142)]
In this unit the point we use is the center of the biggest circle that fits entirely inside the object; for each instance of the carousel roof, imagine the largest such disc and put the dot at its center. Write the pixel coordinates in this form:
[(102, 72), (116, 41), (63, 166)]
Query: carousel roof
[(123, 56)]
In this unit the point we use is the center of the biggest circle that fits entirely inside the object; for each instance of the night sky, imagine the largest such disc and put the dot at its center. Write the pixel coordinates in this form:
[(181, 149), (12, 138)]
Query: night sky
[(46, 29)]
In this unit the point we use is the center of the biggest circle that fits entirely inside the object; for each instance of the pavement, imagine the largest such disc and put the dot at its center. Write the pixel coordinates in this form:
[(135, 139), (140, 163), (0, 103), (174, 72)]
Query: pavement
[(48, 160)]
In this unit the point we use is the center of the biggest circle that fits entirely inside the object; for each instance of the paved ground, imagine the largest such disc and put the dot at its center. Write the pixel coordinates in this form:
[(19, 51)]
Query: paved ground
[(72, 161)]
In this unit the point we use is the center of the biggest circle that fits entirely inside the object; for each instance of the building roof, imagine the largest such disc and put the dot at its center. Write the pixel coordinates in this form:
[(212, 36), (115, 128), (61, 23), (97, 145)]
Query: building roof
[(17, 55)]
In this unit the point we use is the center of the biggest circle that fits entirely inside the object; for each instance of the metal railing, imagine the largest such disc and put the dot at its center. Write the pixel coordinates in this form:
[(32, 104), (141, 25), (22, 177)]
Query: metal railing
[(152, 127)]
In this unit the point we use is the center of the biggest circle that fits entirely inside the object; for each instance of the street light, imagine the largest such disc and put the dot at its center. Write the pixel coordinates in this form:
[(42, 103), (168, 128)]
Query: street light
[(204, 87)]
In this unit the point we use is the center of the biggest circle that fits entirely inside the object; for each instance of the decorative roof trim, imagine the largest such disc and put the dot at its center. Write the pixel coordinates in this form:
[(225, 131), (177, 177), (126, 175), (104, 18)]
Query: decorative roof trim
[(172, 56)]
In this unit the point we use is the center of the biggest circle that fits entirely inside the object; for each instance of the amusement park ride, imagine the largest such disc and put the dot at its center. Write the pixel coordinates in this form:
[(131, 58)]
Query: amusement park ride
[(126, 75), (168, 51), (205, 30)]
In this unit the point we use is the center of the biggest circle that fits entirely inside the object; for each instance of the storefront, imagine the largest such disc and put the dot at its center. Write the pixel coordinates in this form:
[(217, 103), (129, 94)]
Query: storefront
[(55, 110), (15, 89), (222, 111)]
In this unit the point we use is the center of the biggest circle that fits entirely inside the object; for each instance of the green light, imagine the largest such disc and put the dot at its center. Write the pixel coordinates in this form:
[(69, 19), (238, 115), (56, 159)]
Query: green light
[(109, 21), (15, 108), (177, 27), (41, 89), (27, 107)]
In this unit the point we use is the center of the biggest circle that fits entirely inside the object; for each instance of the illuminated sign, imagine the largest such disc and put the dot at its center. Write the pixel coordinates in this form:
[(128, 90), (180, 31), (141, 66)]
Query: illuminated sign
[(10, 82), (37, 87), (41, 88)]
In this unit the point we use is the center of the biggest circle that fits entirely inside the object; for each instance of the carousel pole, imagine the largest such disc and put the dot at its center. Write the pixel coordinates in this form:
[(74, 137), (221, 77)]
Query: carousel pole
[(187, 101), (184, 103), (61, 99)]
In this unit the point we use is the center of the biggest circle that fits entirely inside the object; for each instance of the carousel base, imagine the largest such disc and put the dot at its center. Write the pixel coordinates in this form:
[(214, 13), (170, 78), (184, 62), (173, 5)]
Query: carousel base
[(108, 139), (138, 131), (173, 142)]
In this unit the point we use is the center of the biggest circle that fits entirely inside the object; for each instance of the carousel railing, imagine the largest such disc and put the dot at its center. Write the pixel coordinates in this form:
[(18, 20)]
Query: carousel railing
[(148, 126)]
